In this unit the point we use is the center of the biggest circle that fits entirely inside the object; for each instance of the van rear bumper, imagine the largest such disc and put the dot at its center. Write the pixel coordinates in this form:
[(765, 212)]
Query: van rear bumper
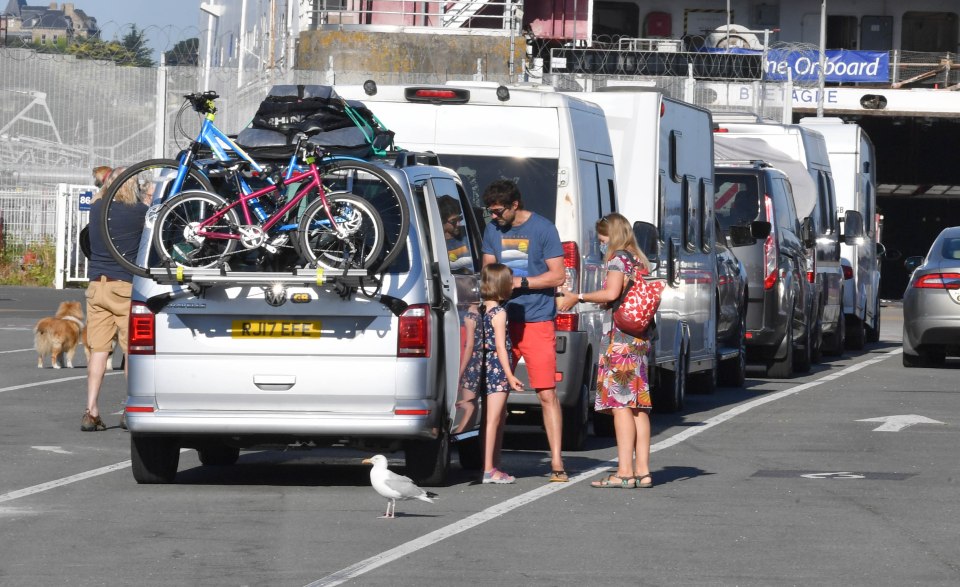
[(297, 425), (571, 360)]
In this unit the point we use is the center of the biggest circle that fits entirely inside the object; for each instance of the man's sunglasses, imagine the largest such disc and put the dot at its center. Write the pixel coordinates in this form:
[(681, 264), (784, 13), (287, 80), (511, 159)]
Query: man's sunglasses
[(497, 211)]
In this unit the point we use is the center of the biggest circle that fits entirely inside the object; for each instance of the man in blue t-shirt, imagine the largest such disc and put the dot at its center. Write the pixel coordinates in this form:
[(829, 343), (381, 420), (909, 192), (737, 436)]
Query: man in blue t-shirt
[(530, 245)]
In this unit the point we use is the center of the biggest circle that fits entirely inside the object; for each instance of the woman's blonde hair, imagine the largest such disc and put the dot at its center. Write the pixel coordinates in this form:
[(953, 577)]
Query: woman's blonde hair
[(129, 192), (617, 228), (496, 282)]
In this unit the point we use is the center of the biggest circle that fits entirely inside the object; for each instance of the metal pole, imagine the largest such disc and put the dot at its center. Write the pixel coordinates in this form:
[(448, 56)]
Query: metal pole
[(821, 75), (727, 44), (575, 24)]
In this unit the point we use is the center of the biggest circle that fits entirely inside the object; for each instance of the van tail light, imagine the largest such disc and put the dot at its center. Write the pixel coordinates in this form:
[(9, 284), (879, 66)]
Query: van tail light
[(938, 281), (771, 255), (437, 95), (570, 321), (847, 272), (141, 330), (812, 267), (414, 332)]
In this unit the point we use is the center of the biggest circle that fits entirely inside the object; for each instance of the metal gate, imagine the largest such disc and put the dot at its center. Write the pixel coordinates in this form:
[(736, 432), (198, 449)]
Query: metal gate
[(73, 213)]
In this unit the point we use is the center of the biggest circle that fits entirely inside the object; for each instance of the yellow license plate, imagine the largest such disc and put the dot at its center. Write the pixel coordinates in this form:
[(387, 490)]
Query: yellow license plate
[(275, 329)]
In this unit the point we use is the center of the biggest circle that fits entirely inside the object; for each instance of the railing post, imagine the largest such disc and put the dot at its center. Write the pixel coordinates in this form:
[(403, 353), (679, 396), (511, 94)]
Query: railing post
[(895, 78), (160, 113)]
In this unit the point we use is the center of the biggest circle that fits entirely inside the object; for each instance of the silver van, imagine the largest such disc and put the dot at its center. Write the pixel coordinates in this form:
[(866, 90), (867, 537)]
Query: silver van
[(222, 361)]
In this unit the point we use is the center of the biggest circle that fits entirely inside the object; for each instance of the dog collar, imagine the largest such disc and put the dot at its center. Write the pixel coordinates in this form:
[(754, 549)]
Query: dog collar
[(74, 319)]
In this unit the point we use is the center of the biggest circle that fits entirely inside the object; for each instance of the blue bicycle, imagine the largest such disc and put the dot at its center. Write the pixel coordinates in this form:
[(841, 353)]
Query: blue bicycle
[(214, 162)]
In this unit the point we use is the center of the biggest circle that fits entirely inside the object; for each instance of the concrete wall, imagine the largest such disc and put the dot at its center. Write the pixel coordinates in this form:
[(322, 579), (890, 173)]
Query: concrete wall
[(398, 52)]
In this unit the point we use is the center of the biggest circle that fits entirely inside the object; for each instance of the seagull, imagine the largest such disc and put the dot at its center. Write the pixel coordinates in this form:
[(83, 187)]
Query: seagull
[(393, 486)]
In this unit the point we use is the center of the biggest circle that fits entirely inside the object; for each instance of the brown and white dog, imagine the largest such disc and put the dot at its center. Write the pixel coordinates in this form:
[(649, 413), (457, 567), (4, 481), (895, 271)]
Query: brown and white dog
[(60, 335)]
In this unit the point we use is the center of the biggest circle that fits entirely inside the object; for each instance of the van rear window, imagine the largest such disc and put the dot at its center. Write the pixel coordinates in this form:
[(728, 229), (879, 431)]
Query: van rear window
[(737, 200), (536, 178)]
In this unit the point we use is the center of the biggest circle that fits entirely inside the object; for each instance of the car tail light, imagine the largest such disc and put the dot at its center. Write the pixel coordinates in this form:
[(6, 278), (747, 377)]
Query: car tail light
[(938, 281), (812, 267), (771, 255), (414, 332), (570, 321), (847, 272), (437, 95), (141, 330)]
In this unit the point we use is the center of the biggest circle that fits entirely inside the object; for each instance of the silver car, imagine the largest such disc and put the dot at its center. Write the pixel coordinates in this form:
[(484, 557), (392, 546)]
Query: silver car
[(931, 303)]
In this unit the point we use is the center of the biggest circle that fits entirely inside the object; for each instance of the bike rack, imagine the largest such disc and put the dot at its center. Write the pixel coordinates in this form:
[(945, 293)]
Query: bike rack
[(214, 276)]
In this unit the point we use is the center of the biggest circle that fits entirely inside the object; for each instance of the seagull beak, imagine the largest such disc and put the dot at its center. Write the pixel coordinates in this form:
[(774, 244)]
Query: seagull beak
[(367, 462)]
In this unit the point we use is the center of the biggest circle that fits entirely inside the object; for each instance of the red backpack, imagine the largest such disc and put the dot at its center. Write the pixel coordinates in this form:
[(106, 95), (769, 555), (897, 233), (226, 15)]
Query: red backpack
[(639, 303)]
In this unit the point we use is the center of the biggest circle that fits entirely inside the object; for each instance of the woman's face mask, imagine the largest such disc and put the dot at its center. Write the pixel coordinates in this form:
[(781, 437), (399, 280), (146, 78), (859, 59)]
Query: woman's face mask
[(603, 248)]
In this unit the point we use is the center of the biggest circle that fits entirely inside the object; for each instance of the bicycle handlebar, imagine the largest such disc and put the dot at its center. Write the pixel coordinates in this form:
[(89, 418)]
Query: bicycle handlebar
[(203, 102)]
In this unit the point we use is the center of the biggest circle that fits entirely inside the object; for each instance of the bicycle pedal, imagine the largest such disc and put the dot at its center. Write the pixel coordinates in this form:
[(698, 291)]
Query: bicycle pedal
[(270, 248)]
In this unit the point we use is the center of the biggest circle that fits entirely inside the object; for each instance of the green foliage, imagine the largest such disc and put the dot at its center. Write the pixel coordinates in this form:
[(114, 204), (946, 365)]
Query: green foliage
[(132, 50), (31, 265), (185, 52)]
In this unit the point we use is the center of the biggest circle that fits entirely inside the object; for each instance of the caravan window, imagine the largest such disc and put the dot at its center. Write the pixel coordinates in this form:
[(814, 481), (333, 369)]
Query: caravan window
[(536, 178)]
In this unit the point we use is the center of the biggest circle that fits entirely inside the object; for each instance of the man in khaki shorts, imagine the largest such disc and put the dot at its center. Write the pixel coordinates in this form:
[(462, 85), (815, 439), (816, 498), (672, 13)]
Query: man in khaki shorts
[(108, 294)]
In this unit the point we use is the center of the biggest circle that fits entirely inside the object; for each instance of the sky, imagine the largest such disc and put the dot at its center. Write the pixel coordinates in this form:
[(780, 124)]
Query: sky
[(165, 22)]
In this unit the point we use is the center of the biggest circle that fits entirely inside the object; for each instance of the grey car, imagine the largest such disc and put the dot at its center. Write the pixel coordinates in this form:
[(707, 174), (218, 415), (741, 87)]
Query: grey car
[(931, 303)]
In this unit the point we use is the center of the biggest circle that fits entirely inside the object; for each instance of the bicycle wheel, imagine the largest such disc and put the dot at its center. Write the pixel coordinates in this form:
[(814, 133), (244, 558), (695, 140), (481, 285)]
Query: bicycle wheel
[(138, 181), (320, 244), (374, 185), (175, 237)]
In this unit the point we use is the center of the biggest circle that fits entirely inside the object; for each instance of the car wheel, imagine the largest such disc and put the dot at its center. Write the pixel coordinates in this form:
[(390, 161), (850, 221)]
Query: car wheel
[(671, 388), (838, 339), (154, 459), (873, 332), (218, 454), (782, 368), (912, 360), (603, 425), (576, 422), (856, 336), (428, 461), (803, 358), (733, 372), (470, 452)]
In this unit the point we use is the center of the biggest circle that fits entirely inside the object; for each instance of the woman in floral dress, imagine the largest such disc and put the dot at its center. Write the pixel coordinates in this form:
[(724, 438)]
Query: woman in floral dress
[(623, 389)]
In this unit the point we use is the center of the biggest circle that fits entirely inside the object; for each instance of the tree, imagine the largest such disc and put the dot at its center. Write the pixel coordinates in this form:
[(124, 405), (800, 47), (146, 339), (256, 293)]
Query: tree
[(136, 45), (186, 52)]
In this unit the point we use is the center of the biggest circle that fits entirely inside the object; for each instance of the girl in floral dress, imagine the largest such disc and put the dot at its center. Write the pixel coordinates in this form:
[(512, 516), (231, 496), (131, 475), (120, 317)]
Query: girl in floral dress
[(488, 371), (622, 385)]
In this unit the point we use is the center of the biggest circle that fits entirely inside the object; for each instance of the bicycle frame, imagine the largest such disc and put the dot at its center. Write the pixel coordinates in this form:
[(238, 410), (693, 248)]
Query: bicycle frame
[(270, 221)]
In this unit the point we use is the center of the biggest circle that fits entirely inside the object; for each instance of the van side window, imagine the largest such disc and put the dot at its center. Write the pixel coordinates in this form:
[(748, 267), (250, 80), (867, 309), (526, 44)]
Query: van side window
[(784, 208), (868, 214), (460, 250), (706, 215), (826, 212)]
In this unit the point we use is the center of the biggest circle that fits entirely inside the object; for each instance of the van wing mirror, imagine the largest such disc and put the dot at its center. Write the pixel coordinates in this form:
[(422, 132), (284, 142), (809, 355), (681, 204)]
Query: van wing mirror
[(740, 236), (807, 233), (760, 229), (648, 238), (852, 227)]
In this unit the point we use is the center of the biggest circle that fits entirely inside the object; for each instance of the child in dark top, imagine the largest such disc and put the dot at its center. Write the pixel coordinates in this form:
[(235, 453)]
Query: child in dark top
[(488, 372)]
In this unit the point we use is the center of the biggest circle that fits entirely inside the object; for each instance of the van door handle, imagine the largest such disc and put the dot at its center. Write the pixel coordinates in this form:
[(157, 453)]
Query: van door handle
[(274, 382)]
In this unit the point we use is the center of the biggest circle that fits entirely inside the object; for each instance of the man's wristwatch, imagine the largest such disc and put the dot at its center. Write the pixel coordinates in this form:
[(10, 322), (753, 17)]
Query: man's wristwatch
[(580, 298), (524, 283)]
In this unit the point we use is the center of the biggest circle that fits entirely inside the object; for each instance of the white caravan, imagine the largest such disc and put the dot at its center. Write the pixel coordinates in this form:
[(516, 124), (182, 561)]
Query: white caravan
[(663, 152), (854, 173), (802, 154), (557, 150)]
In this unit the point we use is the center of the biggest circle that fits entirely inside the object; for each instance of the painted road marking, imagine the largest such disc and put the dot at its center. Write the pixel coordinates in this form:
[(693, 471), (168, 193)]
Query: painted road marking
[(16, 350), (898, 423), (54, 449), (493, 512), (51, 381)]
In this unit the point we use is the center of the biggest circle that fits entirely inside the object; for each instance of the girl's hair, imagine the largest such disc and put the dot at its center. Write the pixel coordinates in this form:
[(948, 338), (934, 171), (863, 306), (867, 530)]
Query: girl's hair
[(128, 192), (617, 228), (496, 282)]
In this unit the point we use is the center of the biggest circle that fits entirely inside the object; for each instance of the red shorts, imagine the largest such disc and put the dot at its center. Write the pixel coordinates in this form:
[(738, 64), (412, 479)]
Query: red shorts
[(536, 342)]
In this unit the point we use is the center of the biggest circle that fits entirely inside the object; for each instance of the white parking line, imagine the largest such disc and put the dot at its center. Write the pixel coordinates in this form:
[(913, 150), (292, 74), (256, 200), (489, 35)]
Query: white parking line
[(49, 381), (498, 510), (16, 351)]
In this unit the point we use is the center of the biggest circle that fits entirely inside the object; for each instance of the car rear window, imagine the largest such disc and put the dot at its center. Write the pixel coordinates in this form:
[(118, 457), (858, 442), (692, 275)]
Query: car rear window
[(737, 200), (951, 248), (536, 178)]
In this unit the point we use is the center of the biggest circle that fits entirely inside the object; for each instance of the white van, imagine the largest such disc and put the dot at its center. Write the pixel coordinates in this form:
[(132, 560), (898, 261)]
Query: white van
[(557, 149), (784, 146), (854, 173), (663, 152)]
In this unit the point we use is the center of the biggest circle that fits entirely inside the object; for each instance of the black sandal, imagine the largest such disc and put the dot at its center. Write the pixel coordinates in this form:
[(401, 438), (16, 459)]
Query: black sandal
[(644, 484)]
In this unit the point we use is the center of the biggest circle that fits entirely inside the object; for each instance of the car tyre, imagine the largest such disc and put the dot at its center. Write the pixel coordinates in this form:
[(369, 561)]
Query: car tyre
[(803, 359), (671, 386), (837, 340), (218, 455), (154, 459), (783, 368), (428, 461), (576, 421), (856, 335), (603, 425), (873, 332), (470, 453), (733, 372)]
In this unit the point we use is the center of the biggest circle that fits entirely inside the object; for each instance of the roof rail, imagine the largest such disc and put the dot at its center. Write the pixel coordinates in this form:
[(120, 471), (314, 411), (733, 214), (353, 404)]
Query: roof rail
[(741, 163)]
